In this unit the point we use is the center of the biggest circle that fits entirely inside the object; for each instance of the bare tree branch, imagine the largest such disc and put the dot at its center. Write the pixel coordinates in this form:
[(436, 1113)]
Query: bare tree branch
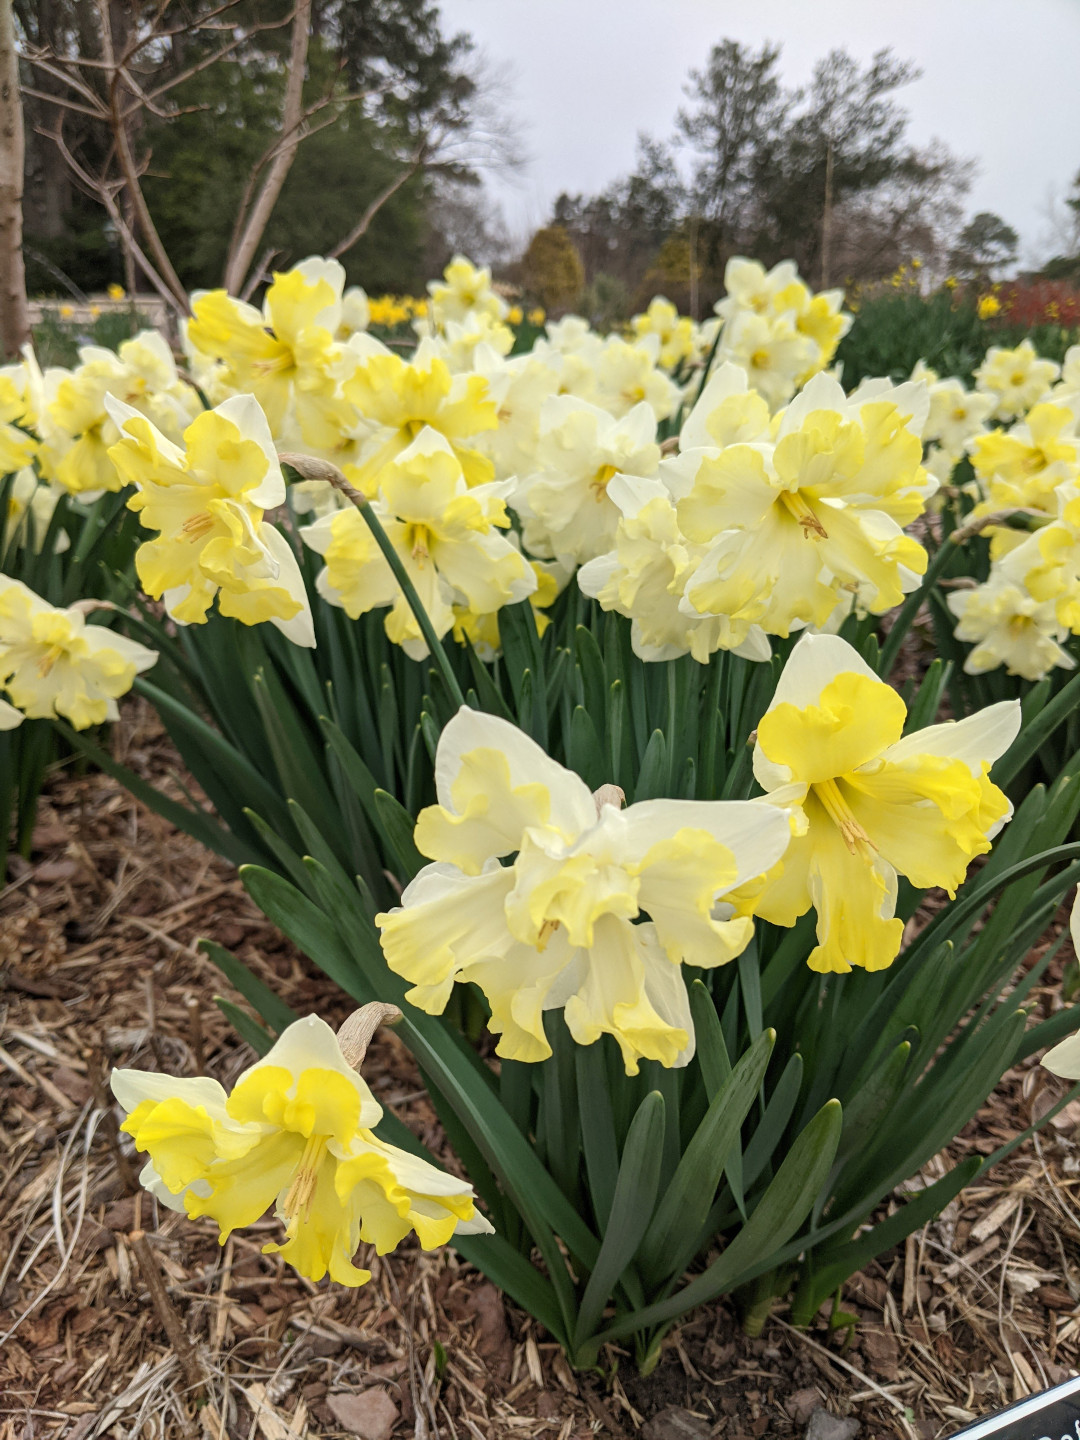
[(239, 259), (360, 228)]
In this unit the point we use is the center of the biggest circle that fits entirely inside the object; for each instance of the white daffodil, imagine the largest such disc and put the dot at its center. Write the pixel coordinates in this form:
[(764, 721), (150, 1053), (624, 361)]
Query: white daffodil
[(644, 578), (790, 525), (564, 503), (876, 805), (53, 663), (296, 1133), (1007, 624), (1016, 379), (555, 929)]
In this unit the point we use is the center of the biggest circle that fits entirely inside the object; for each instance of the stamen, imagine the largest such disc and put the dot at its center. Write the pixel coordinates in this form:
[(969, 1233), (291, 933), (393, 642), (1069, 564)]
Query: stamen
[(599, 483), (546, 931), (49, 659), (302, 1190), (196, 526), (839, 811), (812, 526)]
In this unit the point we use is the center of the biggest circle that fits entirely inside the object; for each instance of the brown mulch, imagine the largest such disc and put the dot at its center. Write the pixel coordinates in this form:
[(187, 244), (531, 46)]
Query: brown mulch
[(98, 968)]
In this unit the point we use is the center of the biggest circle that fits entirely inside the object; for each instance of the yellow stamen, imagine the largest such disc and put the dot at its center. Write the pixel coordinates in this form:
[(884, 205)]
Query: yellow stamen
[(812, 526), (546, 931), (839, 811), (49, 659), (302, 1190), (418, 538), (599, 483), (196, 526)]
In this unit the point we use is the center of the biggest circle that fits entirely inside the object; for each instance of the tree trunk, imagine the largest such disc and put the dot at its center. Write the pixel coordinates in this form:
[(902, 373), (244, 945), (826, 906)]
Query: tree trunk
[(242, 252), (14, 317)]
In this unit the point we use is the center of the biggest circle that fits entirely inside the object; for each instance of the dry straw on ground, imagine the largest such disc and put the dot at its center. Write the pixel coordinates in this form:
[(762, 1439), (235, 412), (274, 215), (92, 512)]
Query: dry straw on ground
[(98, 968)]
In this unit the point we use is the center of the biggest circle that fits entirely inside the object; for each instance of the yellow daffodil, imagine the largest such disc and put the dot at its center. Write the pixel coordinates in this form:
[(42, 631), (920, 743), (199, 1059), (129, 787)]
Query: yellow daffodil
[(554, 929), (447, 535), (564, 503), (789, 525), (53, 663), (1017, 379), (296, 1132), (876, 805), (645, 577), (956, 415), (116, 292), (284, 355), (399, 398), (207, 501)]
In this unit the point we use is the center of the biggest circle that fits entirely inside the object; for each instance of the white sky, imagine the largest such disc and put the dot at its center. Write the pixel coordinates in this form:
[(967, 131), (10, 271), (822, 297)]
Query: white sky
[(1001, 81)]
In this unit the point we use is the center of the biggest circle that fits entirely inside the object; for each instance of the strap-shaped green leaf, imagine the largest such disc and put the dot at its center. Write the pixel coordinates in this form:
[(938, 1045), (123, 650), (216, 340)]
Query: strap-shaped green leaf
[(398, 826), (631, 1211), (245, 1025), (271, 1007), (689, 1195), (777, 1216), (827, 1272), (712, 1056)]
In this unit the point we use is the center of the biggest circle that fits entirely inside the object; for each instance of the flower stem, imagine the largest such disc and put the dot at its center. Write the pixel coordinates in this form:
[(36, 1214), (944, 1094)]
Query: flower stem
[(902, 624), (311, 469)]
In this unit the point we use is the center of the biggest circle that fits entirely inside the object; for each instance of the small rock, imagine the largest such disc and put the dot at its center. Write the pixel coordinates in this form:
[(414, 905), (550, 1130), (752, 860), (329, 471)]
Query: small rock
[(825, 1426), (675, 1423), (801, 1404), (371, 1414)]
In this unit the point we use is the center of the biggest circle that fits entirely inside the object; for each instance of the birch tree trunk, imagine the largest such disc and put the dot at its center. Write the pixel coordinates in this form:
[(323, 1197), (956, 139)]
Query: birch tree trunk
[(14, 316)]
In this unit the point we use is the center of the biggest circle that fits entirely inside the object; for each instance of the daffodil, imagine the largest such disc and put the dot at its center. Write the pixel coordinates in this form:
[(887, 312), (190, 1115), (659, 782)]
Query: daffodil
[(207, 500), (30, 505), (564, 502), (677, 333), (955, 415), (285, 355), (17, 448), (789, 525), (464, 287), (1017, 379), (1024, 465), (296, 1132), (1009, 626), (876, 805), (555, 928), (644, 577), (447, 535), (76, 426), (10, 718), (398, 398), (52, 662)]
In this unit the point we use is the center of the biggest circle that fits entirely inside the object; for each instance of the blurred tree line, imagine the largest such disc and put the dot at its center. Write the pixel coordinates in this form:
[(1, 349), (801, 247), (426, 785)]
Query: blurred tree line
[(824, 174), (388, 99)]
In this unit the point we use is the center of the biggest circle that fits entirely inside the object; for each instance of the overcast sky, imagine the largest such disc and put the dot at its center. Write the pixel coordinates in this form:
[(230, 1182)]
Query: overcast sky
[(1000, 82)]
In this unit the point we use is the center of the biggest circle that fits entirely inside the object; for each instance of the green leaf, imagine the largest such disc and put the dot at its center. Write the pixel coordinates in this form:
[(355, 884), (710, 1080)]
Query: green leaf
[(631, 1210), (712, 1056), (598, 1139), (398, 826), (689, 1195), (260, 997), (826, 1272), (245, 1026), (777, 1216)]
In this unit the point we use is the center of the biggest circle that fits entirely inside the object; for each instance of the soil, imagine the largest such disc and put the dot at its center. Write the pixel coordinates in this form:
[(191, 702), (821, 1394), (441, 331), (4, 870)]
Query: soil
[(98, 967)]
